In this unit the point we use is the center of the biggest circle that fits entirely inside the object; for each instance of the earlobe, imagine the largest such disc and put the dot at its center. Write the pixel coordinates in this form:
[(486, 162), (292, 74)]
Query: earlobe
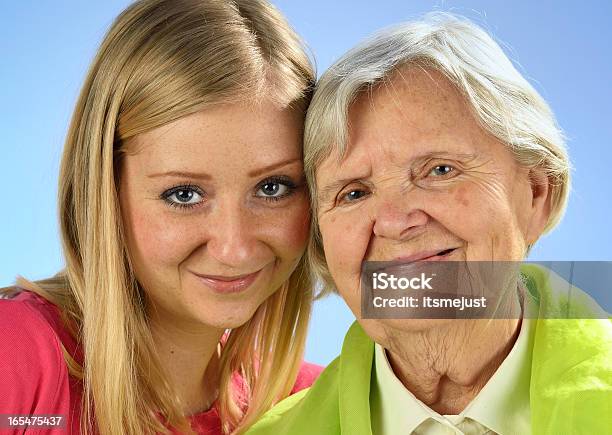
[(541, 196)]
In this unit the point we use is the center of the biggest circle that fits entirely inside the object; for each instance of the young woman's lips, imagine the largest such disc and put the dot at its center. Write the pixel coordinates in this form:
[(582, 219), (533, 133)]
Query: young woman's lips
[(228, 284)]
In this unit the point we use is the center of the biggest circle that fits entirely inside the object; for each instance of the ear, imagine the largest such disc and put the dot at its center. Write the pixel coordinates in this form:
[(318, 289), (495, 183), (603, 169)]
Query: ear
[(541, 199)]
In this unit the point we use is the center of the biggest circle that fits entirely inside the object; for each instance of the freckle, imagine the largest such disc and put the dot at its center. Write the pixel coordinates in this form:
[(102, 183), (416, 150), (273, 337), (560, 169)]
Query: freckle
[(460, 195)]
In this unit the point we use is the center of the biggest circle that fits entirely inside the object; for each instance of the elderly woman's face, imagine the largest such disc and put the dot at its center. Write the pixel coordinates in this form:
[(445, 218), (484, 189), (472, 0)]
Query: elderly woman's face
[(421, 180), (216, 211)]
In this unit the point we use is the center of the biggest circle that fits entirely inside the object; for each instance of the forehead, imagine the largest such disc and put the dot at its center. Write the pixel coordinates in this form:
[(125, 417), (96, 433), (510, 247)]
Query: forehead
[(225, 135), (413, 110)]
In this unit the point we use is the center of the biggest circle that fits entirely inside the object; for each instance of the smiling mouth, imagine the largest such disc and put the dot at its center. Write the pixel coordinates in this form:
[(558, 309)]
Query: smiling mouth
[(228, 284), (427, 256), (445, 252)]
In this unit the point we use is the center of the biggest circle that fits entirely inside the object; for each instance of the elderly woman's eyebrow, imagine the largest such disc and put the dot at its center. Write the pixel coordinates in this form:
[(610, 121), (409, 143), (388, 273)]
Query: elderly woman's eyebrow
[(329, 189), (466, 157)]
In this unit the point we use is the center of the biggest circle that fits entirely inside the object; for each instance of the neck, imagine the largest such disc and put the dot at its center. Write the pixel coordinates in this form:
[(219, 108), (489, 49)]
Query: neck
[(188, 356), (446, 366)]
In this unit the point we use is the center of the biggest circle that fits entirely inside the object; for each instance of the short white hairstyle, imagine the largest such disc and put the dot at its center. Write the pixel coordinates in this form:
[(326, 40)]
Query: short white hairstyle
[(502, 100)]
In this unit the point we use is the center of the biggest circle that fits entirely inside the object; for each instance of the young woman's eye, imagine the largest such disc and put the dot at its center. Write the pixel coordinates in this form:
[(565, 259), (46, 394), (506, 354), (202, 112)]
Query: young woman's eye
[(183, 196), (441, 170), (275, 188)]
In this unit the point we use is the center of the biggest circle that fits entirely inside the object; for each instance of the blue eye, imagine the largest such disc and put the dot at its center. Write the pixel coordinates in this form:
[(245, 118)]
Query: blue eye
[(183, 196), (275, 188), (441, 170), (352, 195)]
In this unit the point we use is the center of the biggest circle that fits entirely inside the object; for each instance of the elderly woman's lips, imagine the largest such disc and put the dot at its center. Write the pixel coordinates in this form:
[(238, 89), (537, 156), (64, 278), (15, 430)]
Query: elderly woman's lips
[(436, 255), (228, 284), (410, 264)]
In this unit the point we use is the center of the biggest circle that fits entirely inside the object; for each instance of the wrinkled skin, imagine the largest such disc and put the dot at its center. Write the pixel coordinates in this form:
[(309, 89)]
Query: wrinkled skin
[(420, 176)]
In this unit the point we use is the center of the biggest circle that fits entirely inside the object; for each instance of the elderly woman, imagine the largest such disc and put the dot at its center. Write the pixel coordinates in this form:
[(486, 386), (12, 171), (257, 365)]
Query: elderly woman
[(425, 144)]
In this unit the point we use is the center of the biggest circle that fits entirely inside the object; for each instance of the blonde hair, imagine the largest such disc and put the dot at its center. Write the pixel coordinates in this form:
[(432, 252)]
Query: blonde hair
[(504, 103), (162, 60)]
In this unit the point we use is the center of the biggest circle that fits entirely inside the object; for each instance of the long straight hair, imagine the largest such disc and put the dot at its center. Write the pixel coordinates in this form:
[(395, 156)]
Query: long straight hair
[(162, 60)]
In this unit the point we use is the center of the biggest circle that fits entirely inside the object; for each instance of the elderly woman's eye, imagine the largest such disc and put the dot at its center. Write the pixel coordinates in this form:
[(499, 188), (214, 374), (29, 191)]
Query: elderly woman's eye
[(441, 170), (352, 195), (183, 196)]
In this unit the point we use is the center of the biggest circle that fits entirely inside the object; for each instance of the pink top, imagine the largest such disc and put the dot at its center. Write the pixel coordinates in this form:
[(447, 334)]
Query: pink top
[(34, 378)]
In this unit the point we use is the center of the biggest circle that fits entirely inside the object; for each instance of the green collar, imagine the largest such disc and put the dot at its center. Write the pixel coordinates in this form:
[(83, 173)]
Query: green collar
[(354, 373)]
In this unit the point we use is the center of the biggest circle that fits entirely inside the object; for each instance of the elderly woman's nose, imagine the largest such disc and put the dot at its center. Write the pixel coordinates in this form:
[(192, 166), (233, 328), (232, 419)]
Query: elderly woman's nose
[(232, 240), (397, 221)]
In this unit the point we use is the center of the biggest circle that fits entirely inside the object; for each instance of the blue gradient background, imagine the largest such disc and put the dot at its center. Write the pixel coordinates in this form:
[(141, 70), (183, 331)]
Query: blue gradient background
[(561, 46)]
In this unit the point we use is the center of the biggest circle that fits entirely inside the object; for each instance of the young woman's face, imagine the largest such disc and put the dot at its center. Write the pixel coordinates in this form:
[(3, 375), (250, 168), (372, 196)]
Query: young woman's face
[(215, 211)]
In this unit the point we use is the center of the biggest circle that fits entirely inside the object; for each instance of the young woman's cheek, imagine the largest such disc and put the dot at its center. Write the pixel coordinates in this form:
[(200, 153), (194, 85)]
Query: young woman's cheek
[(287, 228), (299, 229), (159, 239)]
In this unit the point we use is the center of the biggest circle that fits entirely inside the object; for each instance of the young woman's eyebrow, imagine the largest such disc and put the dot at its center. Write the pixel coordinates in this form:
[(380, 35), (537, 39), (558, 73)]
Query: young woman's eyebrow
[(182, 174), (271, 167), (204, 176)]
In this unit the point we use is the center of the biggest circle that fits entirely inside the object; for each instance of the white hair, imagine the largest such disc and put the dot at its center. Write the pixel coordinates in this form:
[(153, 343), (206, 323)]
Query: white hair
[(504, 102)]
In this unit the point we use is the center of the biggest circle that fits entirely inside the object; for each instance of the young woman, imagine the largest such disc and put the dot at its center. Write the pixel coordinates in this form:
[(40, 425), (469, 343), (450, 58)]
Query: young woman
[(184, 215)]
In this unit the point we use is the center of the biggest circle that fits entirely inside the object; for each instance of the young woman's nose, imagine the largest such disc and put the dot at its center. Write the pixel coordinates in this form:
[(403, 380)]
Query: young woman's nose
[(232, 237)]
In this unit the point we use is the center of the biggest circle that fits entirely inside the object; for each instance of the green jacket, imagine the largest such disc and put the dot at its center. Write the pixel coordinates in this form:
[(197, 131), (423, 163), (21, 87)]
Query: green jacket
[(571, 375)]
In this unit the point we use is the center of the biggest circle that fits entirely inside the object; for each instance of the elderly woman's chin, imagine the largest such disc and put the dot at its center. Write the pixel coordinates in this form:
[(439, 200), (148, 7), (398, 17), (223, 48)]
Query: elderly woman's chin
[(381, 329)]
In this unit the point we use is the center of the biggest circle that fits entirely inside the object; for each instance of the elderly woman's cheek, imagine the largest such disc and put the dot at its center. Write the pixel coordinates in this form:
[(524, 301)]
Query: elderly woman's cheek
[(502, 213), (522, 201), (461, 197), (457, 208), (345, 240), (333, 236)]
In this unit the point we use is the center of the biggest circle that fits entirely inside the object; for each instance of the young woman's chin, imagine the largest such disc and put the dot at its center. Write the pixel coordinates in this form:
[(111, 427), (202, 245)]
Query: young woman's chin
[(227, 314), (226, 311)]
